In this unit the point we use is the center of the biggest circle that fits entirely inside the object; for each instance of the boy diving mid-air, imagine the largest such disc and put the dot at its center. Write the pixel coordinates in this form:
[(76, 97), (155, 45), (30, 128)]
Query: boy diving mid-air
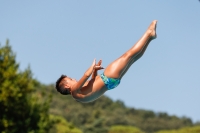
[(87, 90)]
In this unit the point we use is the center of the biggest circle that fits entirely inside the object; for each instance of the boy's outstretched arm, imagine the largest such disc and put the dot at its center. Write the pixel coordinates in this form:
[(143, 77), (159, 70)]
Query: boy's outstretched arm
[(86, 75)]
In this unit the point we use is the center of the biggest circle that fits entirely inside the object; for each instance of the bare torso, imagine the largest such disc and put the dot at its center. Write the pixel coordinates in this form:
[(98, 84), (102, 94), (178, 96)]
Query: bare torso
[(90, 91)]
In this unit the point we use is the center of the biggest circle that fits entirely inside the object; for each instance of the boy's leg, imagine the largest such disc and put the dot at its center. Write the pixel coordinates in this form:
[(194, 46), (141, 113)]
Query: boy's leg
[(119, 67), (136, 58)]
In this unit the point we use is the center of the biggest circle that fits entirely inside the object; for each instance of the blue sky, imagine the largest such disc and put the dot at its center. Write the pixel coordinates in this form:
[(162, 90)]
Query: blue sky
[(63, 37)]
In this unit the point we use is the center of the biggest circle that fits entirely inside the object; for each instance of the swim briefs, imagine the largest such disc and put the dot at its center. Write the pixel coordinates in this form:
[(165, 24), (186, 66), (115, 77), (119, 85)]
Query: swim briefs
[(110, 83)]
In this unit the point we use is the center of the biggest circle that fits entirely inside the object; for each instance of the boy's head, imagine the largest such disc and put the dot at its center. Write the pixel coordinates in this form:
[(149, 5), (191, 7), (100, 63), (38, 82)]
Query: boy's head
[(61, 85)]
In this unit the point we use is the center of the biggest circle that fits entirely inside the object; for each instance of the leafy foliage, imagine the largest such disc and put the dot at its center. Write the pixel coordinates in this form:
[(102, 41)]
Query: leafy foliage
[(195, 129), (20, 110), (124, 129), (60, 125)]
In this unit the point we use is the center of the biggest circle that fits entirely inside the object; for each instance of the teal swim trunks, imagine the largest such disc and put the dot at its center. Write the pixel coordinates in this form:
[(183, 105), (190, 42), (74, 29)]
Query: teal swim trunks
[(110, 83)]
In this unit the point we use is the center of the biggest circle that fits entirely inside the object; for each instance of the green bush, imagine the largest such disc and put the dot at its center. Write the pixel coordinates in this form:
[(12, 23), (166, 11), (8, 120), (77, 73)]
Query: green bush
[(124, 129)]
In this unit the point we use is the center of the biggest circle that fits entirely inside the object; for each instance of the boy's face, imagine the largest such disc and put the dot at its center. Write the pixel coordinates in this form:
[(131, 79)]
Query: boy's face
[(68, 82)]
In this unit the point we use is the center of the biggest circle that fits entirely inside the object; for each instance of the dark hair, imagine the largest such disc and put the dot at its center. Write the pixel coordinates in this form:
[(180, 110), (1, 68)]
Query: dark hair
[(64, 91)]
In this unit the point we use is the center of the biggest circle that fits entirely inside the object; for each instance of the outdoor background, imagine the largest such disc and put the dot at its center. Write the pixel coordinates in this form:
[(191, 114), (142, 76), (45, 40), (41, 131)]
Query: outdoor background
[(63, 37)]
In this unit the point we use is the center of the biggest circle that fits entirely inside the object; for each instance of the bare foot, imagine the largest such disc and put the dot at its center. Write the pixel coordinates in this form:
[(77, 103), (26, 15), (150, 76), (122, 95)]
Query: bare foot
[(152, 30)]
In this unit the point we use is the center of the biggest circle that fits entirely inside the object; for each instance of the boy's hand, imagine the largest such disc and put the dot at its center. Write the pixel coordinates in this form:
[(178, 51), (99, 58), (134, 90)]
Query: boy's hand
[(98, 66), (94, 67)]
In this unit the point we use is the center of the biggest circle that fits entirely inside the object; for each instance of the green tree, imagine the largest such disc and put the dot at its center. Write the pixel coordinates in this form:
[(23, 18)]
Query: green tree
[(20, 110)]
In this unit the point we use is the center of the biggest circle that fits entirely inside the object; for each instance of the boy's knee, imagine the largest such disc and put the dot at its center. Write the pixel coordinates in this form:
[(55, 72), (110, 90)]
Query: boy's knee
[(127, 55), (130, 55)]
